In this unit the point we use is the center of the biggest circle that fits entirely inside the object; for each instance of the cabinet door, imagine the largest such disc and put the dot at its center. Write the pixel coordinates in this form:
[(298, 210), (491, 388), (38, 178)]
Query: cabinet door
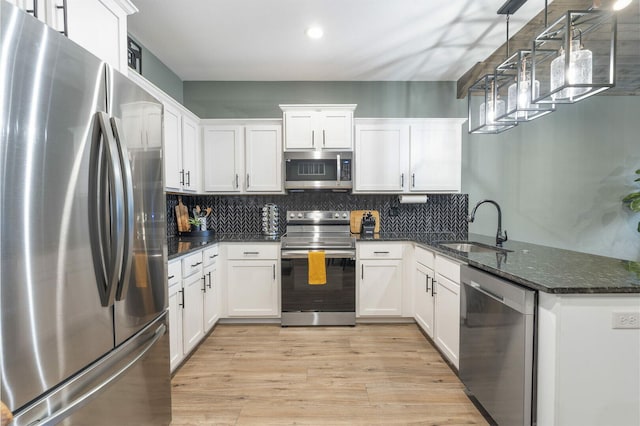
[(222, 158), (173, 171), (381, 158), (423, 298), (435, 157), (447, 317), (192, 329), (252, 288), (300, 130), (337, 129), (263, 159), (190, 155), (211, 307), (380, 288), (99, 29), (175, 325)]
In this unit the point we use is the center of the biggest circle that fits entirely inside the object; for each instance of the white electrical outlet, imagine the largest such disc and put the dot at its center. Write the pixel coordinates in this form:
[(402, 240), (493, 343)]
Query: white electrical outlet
[(626, 320)]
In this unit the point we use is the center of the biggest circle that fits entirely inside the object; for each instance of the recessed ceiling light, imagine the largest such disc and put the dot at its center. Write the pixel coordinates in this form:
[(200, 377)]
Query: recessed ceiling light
[(621, 4), (315, 32)]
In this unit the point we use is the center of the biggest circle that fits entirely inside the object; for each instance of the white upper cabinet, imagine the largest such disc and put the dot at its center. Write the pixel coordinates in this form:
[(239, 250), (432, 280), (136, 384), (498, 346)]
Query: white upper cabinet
[(100, 26), (181, 150), (381, 158), (408, 155), (242, 158), (263, 158), (435, 156), (222, 148), (318, 127)]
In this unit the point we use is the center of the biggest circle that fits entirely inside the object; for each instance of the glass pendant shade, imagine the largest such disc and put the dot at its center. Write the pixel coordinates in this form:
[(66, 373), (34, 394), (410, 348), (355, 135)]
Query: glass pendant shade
[(485, 107), (574, 58), (514, 82)]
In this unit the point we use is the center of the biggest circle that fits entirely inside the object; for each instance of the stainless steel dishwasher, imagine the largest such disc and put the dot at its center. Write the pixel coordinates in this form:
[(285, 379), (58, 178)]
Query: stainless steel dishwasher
[(497, 342)]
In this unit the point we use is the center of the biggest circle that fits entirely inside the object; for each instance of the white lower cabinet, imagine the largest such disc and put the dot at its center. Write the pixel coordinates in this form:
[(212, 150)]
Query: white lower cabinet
[(423, 298), (192, 312), (252, 280), (211, 301), (379, 281), (175, 314), (447, 317)]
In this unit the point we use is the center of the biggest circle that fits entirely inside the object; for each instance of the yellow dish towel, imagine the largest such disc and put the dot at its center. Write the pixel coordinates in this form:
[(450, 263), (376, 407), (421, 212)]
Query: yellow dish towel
[(317, 270)]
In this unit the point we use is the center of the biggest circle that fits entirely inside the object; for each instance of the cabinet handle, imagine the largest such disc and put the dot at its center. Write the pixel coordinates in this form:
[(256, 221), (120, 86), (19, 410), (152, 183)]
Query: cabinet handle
[(433, 287), (189, 178), (362, 272), (237, 185), (213, 257), (171, 277), (274, 272), (182, 305), (197, 263), (380, 252), (204, 283), (413, 180), (251, 252), (247, 180), (402, 180), (182, 177), (209, 279), (427, 284), (313, 138), (324, 141)]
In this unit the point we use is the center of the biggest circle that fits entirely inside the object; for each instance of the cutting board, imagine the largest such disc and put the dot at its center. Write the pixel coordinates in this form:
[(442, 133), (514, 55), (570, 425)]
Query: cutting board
[(356, 220), (182, 217)]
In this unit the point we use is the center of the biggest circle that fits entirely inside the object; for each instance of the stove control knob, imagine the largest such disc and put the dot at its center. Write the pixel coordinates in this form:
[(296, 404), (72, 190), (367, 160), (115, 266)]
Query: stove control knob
[(337, 215), (299, 215), (344, 215), (292, 215)]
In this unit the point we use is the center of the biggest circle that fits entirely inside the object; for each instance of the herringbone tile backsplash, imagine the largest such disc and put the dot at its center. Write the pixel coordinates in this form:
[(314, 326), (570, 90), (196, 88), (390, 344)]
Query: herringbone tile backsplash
[(242, 213)]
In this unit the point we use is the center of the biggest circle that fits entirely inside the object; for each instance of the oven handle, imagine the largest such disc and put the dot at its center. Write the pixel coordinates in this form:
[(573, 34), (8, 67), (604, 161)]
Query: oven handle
[(329, 254)]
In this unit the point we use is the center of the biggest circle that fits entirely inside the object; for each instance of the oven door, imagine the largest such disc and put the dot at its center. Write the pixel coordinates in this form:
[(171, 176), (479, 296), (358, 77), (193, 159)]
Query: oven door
[(337, 295)]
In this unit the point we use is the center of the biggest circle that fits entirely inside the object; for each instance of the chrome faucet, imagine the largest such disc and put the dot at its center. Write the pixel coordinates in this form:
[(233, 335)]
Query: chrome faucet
[(499, 238)]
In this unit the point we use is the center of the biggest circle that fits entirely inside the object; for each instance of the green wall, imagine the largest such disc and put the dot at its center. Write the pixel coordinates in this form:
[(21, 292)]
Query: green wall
[(560, 179), (242, 99), (159, 74)]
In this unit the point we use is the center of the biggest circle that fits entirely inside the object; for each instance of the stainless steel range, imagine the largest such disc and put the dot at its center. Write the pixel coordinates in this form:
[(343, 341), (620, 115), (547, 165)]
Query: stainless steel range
[(333, 303)]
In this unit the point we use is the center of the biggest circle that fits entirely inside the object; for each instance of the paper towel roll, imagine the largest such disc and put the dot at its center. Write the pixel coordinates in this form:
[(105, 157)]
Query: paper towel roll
[(412, 199)]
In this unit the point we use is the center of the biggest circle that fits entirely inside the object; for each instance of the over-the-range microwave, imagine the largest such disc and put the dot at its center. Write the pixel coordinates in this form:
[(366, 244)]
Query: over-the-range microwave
[(318, 170)]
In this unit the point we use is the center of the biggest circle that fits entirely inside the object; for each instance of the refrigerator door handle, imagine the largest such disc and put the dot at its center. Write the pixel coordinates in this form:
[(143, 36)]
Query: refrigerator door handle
[(105, 194), (127, 242), (86, 397)]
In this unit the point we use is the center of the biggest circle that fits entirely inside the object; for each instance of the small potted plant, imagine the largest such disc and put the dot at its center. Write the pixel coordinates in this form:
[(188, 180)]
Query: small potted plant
[(633, 201), (199, 223)]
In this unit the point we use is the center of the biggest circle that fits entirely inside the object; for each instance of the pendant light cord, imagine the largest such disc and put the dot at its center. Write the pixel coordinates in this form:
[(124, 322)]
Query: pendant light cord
[(507, 36)]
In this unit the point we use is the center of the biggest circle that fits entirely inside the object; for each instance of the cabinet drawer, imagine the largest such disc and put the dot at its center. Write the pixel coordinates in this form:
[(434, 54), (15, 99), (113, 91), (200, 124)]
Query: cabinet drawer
[(448, 268), (253, 251), (424, 257), (210, 255), (380, 251), (174, 272), (191, 264)]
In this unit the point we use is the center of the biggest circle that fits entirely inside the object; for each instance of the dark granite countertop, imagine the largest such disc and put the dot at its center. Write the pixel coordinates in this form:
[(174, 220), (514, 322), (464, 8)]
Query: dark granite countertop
[(179, 246), (547, 269), (542, 268)]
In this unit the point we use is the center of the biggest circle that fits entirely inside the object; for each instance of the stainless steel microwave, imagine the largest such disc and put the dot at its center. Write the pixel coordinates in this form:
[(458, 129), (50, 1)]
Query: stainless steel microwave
[(318, 170)]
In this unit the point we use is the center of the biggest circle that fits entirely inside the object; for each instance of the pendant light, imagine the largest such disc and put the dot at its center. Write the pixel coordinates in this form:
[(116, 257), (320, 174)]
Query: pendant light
[(514, 82), (568, 70), (486, 106)]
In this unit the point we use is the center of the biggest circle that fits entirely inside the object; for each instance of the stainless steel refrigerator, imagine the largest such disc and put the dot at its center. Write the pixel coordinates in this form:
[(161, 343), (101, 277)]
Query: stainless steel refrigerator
[(83, 292)]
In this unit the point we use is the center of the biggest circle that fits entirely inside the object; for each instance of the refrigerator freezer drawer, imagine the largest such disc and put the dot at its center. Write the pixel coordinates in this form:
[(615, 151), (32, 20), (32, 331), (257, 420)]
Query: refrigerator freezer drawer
[(130, 386)]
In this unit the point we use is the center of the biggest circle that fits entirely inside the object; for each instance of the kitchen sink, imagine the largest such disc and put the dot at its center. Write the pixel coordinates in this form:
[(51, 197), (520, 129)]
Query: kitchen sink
[(473, 247)]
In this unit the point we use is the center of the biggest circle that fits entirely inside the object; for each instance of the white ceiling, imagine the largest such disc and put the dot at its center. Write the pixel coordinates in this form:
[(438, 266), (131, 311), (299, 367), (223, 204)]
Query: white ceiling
[(365, 40)]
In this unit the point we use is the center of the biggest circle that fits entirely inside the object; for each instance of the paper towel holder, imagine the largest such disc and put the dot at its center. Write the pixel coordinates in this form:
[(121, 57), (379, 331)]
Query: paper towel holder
[(412, 199)]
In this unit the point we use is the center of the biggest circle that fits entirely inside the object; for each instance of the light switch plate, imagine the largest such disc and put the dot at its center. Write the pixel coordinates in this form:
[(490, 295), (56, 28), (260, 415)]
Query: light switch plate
[(626, 320)]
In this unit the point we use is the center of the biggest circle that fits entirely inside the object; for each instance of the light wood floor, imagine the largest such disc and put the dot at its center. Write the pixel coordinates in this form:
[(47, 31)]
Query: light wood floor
[(369, 374)]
